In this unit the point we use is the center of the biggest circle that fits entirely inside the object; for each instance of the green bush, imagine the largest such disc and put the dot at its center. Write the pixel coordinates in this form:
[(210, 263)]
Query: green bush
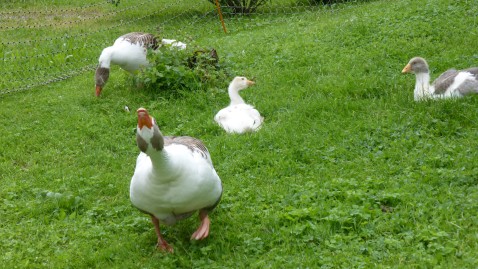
[(172, 69), (240, 6), (331, 2), (114, 2)]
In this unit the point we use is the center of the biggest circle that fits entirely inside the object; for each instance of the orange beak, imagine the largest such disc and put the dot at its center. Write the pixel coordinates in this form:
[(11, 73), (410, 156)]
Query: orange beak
[(250, 83), (407, 69), (144, 119), (98, 90)]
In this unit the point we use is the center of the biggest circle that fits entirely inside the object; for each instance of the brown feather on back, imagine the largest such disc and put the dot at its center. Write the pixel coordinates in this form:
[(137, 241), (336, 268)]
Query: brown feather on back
[(192, 143), (145, 39)]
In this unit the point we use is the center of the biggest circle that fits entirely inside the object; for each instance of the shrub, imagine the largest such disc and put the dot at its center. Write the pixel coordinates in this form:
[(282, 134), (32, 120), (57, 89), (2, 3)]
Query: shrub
[(114, 2), (240, 6), (331, 2), (172, 69)]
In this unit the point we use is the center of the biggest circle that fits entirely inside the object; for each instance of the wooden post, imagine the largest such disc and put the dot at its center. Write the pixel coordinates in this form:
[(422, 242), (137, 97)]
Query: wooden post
[(220, 16)]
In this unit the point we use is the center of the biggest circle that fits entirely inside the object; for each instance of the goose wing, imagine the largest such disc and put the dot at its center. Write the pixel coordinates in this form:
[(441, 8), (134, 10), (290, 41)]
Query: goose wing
[(444, 81), (470, 84), (473, 71), (194, 144)]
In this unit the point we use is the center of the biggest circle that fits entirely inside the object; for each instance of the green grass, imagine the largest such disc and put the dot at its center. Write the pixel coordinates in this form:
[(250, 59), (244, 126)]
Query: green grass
[(347, 171)]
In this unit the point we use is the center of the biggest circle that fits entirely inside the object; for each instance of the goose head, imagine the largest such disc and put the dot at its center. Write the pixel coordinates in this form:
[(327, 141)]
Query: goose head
[(101, 77), (237, 84), (419, 67), (416, 65), (240, 83), (148, 135)]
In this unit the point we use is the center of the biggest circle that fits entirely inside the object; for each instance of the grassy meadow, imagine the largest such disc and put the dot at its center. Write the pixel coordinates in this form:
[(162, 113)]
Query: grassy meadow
[(347, 171)]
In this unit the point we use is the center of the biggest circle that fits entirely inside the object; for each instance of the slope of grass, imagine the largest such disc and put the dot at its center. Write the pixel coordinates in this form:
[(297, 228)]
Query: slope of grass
[(347, 171)]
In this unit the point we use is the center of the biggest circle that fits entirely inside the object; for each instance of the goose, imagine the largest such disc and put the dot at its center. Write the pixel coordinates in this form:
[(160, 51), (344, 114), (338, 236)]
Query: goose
[(174, 177), (239, 117), (452, 83), (129, 52)]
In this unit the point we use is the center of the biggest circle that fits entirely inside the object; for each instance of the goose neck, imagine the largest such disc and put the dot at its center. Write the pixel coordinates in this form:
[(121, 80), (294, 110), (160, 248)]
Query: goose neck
[(234, 96), (422, 86), (105, 57)]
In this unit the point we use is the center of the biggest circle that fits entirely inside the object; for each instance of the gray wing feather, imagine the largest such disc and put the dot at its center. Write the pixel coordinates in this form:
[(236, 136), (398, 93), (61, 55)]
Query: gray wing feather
[(467, 87), (444, 81), (470, 86), (472, 70)]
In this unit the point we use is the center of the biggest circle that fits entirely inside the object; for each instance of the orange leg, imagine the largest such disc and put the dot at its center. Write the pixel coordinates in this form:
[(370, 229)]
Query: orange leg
[(162, 244), (203, 230)]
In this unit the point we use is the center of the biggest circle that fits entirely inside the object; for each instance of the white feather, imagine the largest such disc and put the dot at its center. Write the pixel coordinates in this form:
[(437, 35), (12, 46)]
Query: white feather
[(185, 184), (130, 56), (173, 181), (239, 117), (460, 79)]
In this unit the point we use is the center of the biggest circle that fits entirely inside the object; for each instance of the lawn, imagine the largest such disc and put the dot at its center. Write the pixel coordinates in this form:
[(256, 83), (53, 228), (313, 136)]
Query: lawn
[(347, 171)]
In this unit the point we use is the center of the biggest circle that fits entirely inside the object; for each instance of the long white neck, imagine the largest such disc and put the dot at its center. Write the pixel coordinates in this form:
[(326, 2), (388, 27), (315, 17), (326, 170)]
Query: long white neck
[(159, 158), (423, 89), (151, 142), (236, 99), (105, 57), (164, 167)]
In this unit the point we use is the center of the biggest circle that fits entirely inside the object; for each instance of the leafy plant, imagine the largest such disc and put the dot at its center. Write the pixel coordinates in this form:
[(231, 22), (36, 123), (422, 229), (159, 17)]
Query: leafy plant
[(332, 2), (114, 2), (240, 6), (172, 69)]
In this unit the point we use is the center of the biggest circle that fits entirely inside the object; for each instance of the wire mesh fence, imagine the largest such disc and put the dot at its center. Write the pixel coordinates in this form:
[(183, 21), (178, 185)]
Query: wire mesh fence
[(42, 42)]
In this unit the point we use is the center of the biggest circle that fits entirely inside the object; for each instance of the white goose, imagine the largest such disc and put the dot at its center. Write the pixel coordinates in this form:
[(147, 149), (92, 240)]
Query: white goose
[(452, 83), (239, 117), (129, 52), (174, 177)]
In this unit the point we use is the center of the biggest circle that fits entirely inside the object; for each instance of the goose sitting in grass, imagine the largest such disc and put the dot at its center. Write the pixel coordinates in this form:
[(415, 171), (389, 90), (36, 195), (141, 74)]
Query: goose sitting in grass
[(129, 52), (239, 117), (452, 83), (174, 177)]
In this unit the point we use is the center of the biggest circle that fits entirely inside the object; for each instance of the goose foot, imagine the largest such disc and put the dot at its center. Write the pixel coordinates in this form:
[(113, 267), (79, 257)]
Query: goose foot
[(162, 244), (203, 230)]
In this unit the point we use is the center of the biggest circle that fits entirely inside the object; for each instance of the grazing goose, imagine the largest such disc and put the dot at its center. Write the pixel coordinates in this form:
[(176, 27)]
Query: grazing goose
[(174, 177), (452, 83), (239, 117), (129, 52)]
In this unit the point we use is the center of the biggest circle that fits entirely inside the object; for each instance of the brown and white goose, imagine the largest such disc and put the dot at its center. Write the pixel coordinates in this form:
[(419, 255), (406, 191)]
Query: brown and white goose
[(174, 177), (452, 83), (129, 52), (239, 117)]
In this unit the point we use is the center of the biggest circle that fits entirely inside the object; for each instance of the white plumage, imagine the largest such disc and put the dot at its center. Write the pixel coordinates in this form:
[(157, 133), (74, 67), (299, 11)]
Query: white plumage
[(452, 83), (173, 178), (129, 52), (239, 117)]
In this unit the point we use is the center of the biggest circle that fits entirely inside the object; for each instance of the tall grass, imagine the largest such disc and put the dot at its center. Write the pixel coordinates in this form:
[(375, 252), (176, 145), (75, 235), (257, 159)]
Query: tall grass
[(347, 171)]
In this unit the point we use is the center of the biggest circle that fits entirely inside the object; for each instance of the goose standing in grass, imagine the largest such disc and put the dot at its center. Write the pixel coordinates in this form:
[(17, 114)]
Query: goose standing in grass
[(174, 177), (129, 52), (452, 83), (239, 117)]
